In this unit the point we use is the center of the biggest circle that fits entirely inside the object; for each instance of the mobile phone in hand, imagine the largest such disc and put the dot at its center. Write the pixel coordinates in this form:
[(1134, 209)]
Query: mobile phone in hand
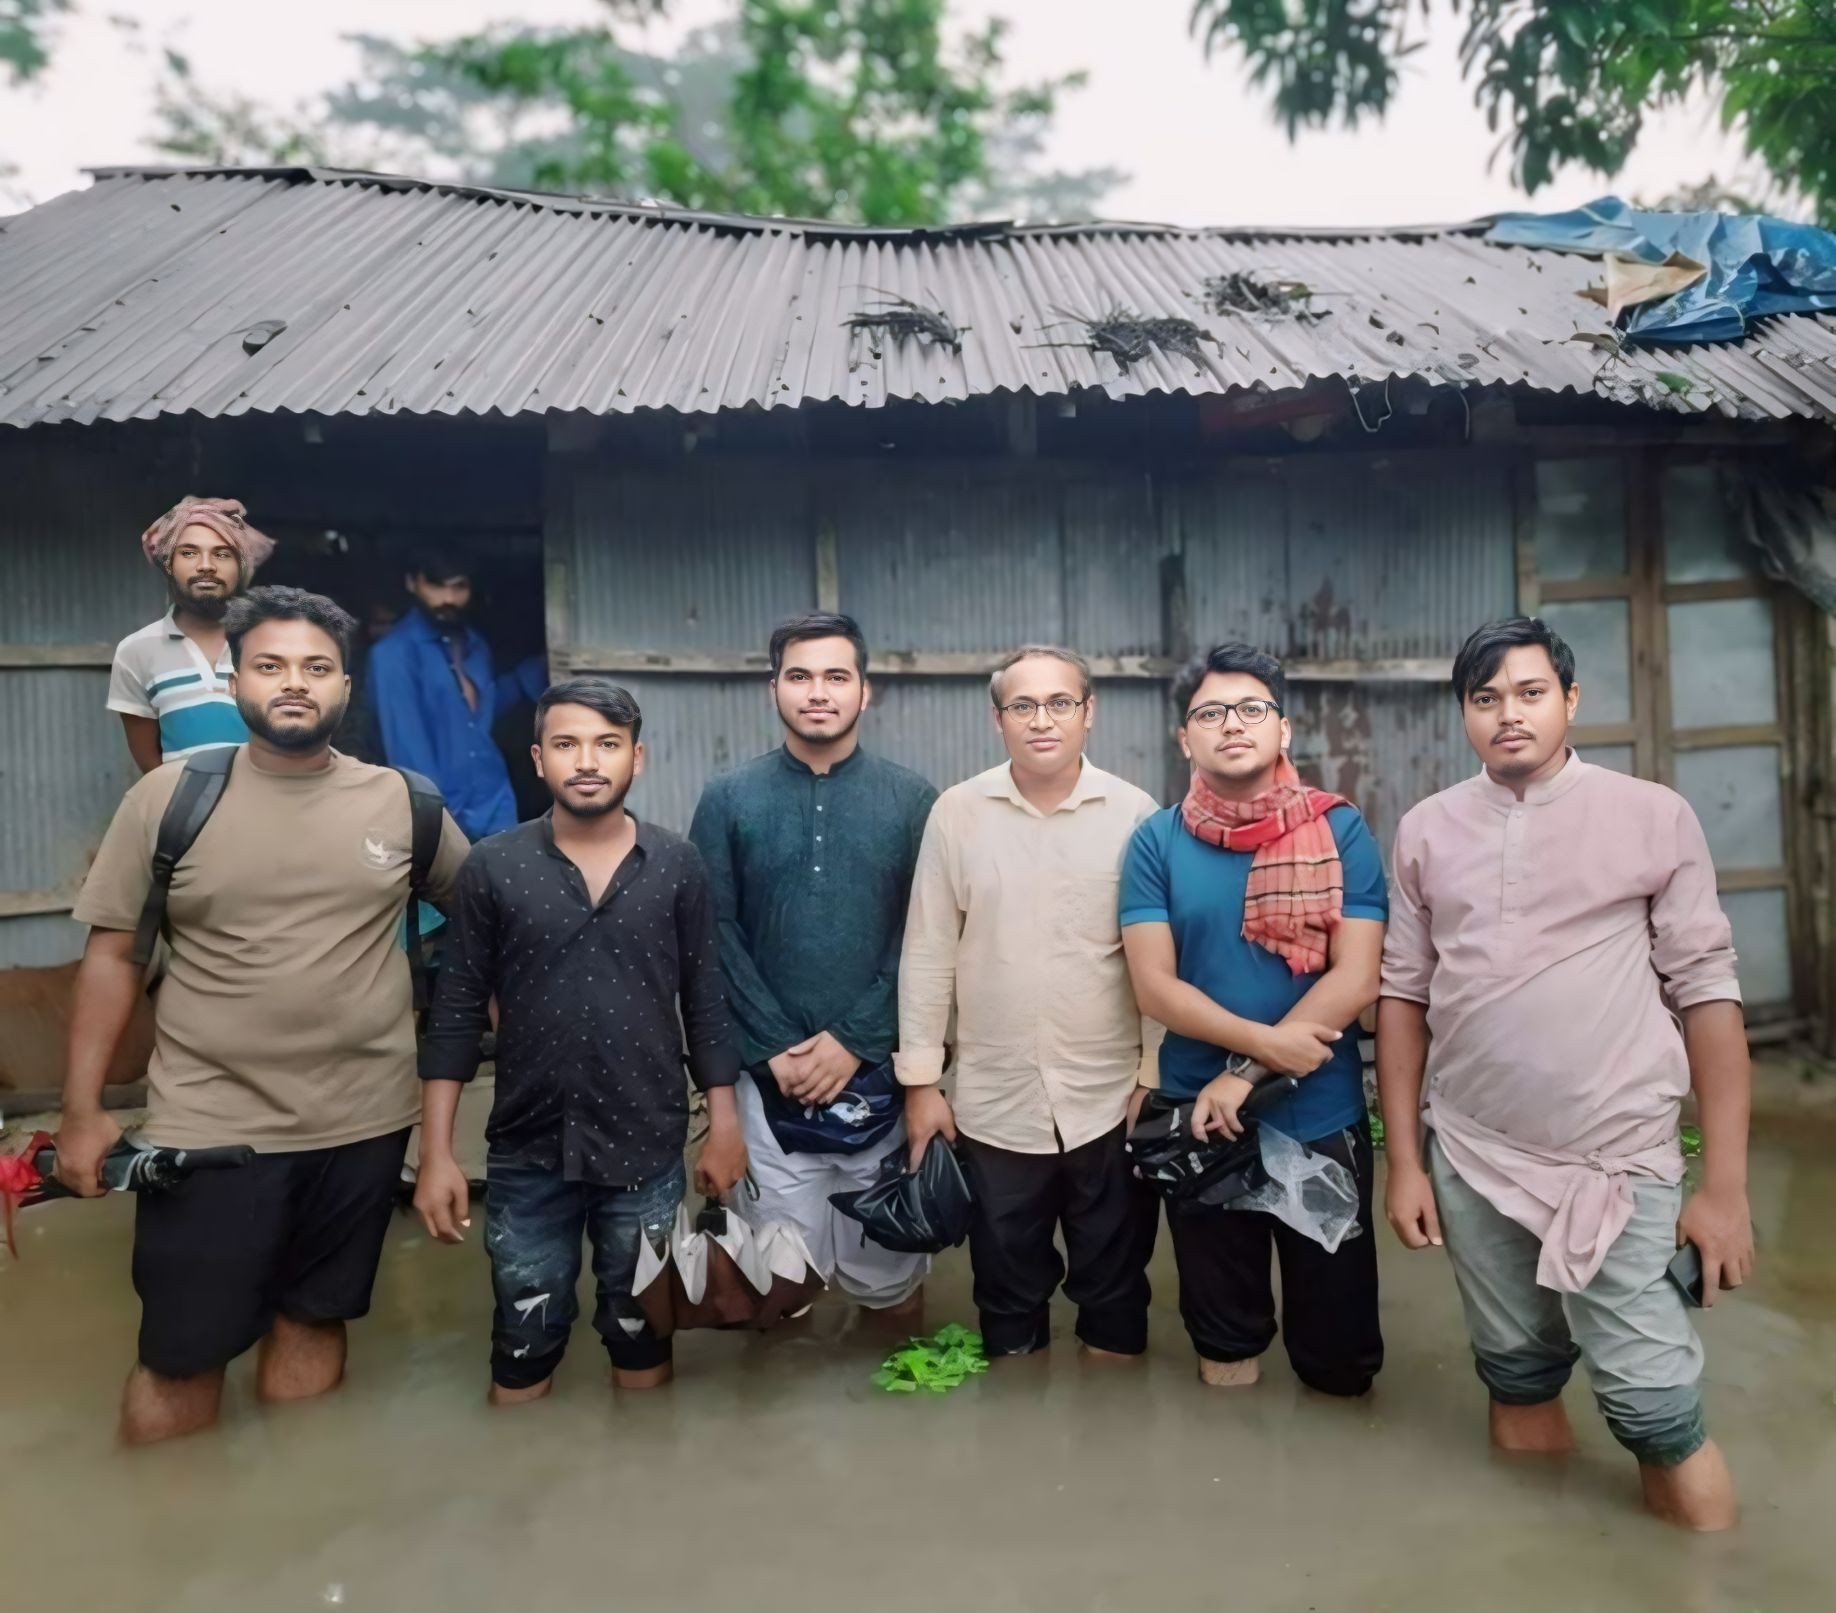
[(1685, 1270)]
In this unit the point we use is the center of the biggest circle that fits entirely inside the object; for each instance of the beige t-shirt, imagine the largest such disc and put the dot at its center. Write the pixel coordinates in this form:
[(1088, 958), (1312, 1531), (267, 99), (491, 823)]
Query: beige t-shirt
[(285, 1020)]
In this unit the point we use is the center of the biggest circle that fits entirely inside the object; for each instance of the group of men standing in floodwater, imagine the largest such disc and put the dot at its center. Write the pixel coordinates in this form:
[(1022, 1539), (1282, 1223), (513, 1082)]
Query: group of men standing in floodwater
[(849, 965)]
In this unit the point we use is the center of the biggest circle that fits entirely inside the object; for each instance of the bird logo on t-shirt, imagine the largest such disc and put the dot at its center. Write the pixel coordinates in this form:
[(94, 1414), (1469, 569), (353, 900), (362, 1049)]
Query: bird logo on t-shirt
[(379, 853)]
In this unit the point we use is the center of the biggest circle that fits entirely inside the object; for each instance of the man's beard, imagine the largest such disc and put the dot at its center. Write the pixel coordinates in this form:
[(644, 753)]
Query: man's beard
[(1520, 764), (608, 800), (821, 736), (447, 615), (208, 606), (292, 738)]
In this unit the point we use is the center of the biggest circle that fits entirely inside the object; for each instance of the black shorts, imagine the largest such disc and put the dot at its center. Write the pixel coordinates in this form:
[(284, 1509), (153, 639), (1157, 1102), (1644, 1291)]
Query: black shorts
[(299, 1235)]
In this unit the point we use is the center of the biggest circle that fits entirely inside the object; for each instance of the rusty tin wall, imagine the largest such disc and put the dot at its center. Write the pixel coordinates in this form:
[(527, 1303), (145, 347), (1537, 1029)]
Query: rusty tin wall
[(1352, 558), (71, 582)]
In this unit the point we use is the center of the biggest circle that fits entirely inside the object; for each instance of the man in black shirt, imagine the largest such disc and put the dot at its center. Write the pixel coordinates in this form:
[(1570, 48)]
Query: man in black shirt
[(593, 931)]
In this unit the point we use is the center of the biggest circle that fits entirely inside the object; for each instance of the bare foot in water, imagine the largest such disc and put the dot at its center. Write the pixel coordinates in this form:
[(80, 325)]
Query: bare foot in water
[(503, 1396), (1229, 1374), (905, 1317), (1698, 1493), (1541, 1430)]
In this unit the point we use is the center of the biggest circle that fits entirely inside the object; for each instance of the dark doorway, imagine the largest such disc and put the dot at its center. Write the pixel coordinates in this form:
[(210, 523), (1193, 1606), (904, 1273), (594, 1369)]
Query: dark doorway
[(366, 571)]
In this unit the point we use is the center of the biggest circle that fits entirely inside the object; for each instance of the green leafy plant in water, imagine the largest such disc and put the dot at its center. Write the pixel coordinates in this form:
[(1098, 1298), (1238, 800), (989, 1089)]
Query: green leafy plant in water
[(1691, 1138), (1376, 1129), (951, 1356)]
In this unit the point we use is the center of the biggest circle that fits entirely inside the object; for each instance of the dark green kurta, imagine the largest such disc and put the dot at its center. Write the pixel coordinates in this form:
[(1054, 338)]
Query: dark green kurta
[(810, 874)]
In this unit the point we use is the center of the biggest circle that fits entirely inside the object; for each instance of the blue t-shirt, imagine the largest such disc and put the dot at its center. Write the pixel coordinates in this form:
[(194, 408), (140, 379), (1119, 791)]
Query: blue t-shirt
[(1172, 877)]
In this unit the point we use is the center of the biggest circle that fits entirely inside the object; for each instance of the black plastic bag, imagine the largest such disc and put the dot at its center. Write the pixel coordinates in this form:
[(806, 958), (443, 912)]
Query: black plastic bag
[(859, 1117), (1207, 1172), (920, 1212)]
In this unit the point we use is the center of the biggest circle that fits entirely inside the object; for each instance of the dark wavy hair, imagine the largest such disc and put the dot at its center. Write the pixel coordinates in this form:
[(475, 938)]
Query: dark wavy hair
[(247, 611), (1479, 658), (818, 624), (602, 695), (1232, 657)]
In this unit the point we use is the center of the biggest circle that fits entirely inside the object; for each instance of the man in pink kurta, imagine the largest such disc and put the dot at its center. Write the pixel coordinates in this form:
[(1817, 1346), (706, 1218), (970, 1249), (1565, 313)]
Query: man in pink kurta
[(1554, 926)]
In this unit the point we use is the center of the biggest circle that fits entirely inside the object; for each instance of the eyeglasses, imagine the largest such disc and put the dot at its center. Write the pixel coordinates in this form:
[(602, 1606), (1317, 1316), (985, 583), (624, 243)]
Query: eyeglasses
[(1215, 716), (1058, 708)]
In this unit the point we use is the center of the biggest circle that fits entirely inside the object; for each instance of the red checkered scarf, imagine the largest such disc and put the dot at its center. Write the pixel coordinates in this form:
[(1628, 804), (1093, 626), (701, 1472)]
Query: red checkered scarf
[(1296, 893)]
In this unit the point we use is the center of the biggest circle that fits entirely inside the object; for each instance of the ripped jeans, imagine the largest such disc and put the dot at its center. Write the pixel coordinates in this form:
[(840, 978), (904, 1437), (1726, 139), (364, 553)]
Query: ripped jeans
[(533, 1225)]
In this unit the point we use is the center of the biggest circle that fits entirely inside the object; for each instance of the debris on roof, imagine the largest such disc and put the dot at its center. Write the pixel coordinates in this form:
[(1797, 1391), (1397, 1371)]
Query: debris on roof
[(113, 313), (905, 320), (1694, 277), (1245, 292), (1130, 338)]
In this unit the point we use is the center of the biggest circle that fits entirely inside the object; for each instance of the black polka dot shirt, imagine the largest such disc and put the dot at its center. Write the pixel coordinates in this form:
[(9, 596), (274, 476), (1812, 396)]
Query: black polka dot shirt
[(595, 1003)]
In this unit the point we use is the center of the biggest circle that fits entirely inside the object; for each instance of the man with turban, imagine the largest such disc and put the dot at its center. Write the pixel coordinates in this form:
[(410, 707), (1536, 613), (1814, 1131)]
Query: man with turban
[(170, 680)]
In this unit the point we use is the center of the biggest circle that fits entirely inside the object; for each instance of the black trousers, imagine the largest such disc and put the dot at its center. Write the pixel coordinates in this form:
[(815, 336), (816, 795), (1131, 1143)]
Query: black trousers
[(1329, 1301), (1108, 1219)]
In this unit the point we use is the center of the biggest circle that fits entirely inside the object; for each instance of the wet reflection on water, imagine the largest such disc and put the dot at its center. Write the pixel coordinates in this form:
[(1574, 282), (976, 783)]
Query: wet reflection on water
[(774, 1476)]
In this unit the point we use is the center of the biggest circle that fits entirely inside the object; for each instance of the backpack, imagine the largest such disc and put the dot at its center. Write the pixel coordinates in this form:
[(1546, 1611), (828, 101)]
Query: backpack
[(201, 787)]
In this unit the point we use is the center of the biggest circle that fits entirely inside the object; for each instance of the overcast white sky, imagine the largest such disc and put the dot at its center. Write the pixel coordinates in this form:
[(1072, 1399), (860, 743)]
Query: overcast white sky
[(1199, 145)]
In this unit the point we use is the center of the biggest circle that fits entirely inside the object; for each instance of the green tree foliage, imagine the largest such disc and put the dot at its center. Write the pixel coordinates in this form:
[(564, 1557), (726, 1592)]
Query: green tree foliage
[(25, 37), (850, 109), (1571, 81), (201, 125)]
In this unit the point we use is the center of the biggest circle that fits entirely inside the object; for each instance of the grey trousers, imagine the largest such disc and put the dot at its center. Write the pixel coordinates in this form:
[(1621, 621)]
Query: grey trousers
[(1629, 1326)]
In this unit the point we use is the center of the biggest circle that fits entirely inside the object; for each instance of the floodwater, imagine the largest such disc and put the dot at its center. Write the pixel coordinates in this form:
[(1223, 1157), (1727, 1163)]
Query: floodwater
[(772, 1475)]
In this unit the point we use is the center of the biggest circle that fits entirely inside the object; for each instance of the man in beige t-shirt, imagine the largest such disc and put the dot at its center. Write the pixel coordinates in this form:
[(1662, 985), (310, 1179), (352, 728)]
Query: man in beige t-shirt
[(284, 1023), (1013, 929)]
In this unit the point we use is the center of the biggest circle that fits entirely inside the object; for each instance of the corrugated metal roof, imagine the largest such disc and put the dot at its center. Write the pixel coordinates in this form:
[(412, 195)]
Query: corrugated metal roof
[(132, 299)]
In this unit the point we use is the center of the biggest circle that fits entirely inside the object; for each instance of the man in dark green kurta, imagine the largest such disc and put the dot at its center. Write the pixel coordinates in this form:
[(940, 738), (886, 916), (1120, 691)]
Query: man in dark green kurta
[(810, 851)]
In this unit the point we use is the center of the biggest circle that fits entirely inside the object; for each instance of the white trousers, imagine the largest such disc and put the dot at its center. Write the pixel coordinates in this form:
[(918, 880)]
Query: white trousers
[(795, 1188)]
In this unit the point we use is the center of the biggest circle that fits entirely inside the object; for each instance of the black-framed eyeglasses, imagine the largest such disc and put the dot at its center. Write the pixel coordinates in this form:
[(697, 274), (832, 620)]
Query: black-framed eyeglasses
[(1216, 713), (1058, 708)]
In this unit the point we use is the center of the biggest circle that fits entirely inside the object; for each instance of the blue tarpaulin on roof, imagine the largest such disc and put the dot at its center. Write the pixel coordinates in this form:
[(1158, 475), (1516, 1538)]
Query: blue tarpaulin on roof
[(1757, 265)]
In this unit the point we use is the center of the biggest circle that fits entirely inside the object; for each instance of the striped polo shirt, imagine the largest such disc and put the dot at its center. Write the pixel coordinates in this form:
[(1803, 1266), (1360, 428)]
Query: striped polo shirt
[(160, 673)]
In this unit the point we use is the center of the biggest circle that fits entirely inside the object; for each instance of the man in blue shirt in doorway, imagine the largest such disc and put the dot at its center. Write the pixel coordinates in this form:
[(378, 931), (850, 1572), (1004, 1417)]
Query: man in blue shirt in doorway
[(1253, 916), (433, 695)]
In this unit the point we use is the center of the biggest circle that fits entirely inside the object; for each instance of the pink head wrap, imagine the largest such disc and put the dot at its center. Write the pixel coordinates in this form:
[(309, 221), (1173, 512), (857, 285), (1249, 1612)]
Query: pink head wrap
[(224, 516)]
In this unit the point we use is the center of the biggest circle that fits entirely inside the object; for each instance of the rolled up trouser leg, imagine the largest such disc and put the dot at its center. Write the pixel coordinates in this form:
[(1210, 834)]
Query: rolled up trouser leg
[(1636, 1339), (1522, 1347)]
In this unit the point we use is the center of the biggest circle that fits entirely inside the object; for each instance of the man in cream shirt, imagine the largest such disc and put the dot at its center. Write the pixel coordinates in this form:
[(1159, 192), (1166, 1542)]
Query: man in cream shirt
[(1013, 925)]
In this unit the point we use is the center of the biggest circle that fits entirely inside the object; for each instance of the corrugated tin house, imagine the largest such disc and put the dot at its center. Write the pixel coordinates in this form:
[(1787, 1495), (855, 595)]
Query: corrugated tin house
[(661, 433)]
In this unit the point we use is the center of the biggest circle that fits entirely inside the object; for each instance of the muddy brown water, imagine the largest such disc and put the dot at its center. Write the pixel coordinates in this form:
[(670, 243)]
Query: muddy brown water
[(772, 1475)]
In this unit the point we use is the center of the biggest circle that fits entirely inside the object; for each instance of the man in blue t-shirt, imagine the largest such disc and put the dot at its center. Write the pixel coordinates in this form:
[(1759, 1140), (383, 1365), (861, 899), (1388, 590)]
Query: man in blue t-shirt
[(1252, 914)]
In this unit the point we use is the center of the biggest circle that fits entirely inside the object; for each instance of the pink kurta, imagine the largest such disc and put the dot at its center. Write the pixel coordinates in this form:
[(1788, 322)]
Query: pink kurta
[(1553, 940)]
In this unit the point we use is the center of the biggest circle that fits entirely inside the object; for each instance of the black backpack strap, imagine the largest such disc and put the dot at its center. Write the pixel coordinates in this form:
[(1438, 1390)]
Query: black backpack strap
[(199, 789), (427, 807), (427, 814)]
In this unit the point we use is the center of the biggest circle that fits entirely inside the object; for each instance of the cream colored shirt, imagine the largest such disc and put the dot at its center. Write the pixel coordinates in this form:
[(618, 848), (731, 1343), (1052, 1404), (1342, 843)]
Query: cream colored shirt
[(1013, 925)]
